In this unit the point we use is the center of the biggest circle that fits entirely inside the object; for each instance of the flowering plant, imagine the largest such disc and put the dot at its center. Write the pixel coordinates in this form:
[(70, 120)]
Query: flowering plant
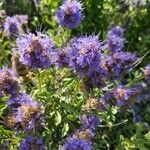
[(60, 89)]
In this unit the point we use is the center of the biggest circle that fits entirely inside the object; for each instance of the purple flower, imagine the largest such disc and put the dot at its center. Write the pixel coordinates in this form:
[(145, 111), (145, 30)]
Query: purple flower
[(19, 100), (60, 58), (89, 121), (32, 143), (30, 117), (85, 55), (8, 82), (115, 39), (80, 139), (122, 96), (118, 31), (97, 78), (147, 73), (83, 133), (69, 14), (118, 63), (75, 144), (115, 43), (34, 50), (12, 26)]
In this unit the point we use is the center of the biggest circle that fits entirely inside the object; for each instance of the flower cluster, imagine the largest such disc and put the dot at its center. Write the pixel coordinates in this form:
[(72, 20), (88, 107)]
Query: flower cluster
[(89, 122), (115, 39), (118, 63), (19, 68), (96, 79), (87, 58), (12, 26), (122, 96), (74, 144), (32, 143), (10, 120), (19, 100), (60, 58), (23, 113), (97, 63), (8, 82), (80, 139), (92, 104), (85, 55), (69, 14), (34, 50), (30, 117)]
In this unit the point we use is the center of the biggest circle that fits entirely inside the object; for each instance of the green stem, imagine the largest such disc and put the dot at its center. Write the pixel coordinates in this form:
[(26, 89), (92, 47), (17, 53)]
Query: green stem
[(39, 79)]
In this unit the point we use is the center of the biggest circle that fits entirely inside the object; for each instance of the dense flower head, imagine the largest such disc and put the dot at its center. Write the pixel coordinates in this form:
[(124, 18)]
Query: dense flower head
[(19, 100), (10, 121), (30, 117), (12, 26), (8, 82), (89, 121), (147, 73), (118, 63), (97, 78), (122, 96), (17, 66), (84, 133), (85, 55), (69, 14), (118, 31), (34, 50), (92, 104), (76, 144), (115, 39), (59, 58), (32, 143)]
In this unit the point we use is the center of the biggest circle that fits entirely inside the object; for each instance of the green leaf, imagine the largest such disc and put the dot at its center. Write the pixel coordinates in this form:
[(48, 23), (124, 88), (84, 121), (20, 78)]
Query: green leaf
[(65, 129), (57, 118), (147, 136)]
